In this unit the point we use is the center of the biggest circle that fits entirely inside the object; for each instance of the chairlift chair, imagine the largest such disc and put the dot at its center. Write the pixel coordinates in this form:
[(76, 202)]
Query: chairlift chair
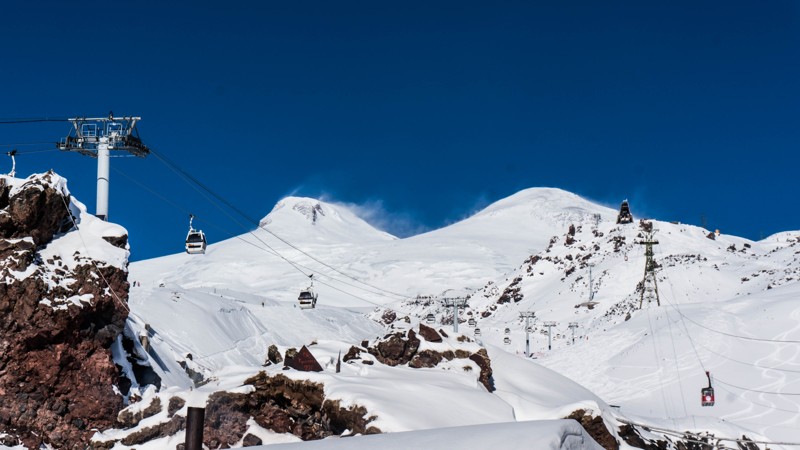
[(477, 332), (308, 298), (472, 322), (195, 239), (707, 393), (430, 318), (508, 330), (507, 340)]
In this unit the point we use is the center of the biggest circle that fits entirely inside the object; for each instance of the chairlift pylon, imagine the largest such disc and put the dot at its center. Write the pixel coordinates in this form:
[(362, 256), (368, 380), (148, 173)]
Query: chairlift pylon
[(308, 298), (195, 239)]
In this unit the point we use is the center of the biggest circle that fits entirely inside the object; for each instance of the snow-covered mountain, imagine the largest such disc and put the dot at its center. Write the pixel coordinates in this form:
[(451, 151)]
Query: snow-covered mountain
[(464, 255), (217, 313)]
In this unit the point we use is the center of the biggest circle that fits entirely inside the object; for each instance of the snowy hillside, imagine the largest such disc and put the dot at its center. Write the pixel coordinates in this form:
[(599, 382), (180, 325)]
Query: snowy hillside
[(341, 246), (217, 313)]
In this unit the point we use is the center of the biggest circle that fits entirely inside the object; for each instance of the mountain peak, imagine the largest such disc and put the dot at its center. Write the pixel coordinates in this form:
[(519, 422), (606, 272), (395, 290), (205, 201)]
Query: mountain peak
[(310, 216)]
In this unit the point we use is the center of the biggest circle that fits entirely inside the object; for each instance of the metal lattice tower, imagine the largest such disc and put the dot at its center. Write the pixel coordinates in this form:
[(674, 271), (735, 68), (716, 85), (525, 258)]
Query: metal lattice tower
[(649, 282), (97, 137), (527, 315), (455, 303)]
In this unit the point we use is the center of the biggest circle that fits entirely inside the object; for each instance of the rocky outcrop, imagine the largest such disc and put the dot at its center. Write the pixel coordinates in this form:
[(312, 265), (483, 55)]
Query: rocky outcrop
[(595, 427), (401, 349), (396, 349), (429, 334), (276, 403), (56, 371)]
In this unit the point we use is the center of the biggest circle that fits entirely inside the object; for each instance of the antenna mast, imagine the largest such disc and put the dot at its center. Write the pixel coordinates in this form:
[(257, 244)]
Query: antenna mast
[(97, 137)]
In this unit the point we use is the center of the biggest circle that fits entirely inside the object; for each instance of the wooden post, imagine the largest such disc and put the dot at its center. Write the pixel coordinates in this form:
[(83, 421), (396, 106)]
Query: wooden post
[(194, 428)]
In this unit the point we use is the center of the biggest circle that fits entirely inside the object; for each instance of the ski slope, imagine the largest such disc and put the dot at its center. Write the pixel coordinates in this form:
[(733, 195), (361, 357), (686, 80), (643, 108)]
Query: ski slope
[(225, 307)]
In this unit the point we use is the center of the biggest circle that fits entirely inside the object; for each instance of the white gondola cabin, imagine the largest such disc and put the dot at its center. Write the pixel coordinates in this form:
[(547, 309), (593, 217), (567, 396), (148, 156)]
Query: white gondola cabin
[(308, 298), (195, 240)]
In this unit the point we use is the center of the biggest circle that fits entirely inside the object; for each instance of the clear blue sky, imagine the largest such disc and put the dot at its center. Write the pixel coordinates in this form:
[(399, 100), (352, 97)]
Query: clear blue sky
[(429, 109)]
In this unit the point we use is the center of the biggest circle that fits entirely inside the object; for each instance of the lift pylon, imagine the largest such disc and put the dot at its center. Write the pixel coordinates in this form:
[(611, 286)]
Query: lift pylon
[(649, 283), (97, 137)]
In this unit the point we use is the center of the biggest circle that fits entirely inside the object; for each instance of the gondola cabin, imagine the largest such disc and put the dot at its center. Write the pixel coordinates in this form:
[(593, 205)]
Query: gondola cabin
[(195, 239), (472, 322), (707, 393), (307, 299), (195, 242), (430, 318)]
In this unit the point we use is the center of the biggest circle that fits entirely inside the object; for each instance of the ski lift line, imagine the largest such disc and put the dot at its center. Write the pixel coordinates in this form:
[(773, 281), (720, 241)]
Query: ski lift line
[(28, 144), (94, 263), (795, 411), (719, 438), (793, 394), (677, 366), (681, 316), (7, 121), (745, 362), (268, 249), (748, 338), (188, 176), (658, 360)]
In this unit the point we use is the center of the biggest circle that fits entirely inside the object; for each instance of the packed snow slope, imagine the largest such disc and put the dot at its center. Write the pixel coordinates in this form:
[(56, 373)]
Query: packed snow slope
[(726, 306), (355, 264), (543, 435)]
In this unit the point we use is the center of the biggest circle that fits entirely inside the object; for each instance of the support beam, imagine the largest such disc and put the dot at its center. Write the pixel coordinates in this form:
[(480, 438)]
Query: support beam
[(527, 315), (549, 326), (455, 303)]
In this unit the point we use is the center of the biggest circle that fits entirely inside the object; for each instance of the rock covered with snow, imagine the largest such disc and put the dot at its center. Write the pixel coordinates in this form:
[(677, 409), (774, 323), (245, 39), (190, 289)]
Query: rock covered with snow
[(62, 302)]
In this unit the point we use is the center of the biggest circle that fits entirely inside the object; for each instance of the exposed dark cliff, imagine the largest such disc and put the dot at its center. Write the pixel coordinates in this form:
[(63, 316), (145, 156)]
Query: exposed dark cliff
[(61, 311)]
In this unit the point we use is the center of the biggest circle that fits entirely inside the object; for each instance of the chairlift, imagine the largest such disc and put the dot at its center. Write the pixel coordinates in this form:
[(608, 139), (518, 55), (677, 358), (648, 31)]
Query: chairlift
[(477, 332), (472, 322), (508, 330), (430, 318), (507, 340), (195, 239), (707, 393), (308, 298)]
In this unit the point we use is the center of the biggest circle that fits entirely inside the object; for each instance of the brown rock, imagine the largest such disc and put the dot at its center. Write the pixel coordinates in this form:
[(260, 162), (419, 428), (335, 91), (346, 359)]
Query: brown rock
[(273, 355), (57, 374), (595, 427), (353, 353), (425, 358), (481, 358), (429, 334)]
